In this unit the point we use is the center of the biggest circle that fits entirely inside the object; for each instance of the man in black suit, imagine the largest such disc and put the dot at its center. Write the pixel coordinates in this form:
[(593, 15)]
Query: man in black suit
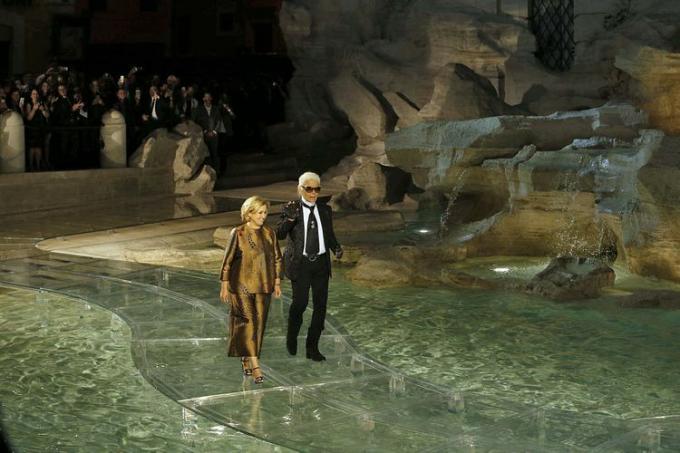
[(307, 263), (209, 117), (157, 112), (64, 141)]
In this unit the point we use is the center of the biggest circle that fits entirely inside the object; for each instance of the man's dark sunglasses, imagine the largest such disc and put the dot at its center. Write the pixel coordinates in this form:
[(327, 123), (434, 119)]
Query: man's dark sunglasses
[(312, 189)]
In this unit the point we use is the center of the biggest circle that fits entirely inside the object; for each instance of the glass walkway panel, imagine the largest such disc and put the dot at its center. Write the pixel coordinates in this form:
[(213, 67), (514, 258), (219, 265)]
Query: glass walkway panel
[(351, 402)]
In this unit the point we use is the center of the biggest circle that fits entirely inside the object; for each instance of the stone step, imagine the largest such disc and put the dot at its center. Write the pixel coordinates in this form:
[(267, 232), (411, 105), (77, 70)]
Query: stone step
[(256, 179)]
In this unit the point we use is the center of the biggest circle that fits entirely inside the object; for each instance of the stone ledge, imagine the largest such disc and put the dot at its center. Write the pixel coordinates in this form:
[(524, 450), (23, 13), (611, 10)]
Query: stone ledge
[(26, 192)]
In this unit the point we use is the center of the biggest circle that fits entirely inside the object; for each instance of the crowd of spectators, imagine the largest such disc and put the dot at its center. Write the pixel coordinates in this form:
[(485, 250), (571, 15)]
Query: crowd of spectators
[(63, 110)]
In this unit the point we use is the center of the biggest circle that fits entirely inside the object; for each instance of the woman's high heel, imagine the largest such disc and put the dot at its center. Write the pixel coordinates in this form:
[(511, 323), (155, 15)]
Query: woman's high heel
[(260, 378)]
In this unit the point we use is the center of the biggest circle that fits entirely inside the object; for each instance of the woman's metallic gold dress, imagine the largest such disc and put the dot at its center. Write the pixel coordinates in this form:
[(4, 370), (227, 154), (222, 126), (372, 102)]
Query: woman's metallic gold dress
[(252, 262)]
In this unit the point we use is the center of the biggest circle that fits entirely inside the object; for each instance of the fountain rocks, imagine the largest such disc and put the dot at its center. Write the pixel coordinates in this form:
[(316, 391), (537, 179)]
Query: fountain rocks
[(444, 91), (433, 152), (365, 113), (459, 94), (572, 278), (655, 83), (380, 66), (400, 266), (385, 272), (663, 299), (565, 278), (593, 183), (184, 151), (375, 67)]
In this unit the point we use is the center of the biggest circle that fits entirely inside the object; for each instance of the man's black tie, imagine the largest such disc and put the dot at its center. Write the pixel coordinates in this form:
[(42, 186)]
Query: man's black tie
[(312, 247)]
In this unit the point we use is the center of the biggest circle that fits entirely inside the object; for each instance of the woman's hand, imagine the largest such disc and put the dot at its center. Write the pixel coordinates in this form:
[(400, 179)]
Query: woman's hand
[(224, 292), (277, 290)]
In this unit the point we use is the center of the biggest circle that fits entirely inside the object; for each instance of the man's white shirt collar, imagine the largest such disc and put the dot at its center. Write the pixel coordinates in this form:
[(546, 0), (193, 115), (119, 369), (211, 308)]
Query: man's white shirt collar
[(305, 202)]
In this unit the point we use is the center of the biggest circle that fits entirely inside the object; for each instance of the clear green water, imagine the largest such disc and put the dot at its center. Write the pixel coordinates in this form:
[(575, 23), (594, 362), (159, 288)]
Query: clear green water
[(68, 383), (535, 375), (589, 356)]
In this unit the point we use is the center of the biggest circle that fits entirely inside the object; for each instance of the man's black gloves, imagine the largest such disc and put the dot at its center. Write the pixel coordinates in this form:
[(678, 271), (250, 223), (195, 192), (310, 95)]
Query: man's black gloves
[(291, 211)]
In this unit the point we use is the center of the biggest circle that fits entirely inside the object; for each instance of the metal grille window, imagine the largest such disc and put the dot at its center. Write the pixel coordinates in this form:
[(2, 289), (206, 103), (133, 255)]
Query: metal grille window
[(552, 23)]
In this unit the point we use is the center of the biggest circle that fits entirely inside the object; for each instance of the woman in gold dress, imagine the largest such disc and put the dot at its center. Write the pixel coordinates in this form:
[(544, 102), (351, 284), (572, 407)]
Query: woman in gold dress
[(251, 272)]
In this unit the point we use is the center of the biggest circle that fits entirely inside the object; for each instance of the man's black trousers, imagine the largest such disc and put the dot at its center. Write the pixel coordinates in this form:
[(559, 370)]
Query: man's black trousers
[(314, 275)]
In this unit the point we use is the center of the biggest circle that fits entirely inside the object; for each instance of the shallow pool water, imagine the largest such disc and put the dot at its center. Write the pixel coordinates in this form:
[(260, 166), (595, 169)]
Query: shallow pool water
[(68, 383), (466, 369), (588, 356)]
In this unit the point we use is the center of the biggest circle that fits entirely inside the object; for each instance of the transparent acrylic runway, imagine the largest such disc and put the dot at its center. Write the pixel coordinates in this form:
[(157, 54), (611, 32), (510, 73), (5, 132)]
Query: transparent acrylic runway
[(348, 403)]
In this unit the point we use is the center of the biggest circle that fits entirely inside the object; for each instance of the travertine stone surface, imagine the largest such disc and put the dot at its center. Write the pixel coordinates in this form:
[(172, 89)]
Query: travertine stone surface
[(432, 151), (113, 154), (655, 84), (572, 278), (460, 94), (57, 189), (183, 151), (12, 145), (593, 183), (367, 116)]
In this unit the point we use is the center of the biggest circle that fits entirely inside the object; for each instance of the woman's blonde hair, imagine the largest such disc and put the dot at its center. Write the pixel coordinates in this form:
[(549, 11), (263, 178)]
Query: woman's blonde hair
[(251, 205)]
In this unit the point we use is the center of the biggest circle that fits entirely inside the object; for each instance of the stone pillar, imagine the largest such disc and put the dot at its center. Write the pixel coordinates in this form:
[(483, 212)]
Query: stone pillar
[(12, 146), (113, 154)]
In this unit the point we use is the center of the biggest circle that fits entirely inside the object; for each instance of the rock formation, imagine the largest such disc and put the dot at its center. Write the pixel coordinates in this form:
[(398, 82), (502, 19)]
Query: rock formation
[(445, 90), (570, 278), (593, 183), (655, 83), (385, 65), (650, 298), (184, 151)]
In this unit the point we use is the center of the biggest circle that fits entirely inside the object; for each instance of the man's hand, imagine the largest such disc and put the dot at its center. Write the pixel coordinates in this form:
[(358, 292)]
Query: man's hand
[(339, 252), (291, 211)]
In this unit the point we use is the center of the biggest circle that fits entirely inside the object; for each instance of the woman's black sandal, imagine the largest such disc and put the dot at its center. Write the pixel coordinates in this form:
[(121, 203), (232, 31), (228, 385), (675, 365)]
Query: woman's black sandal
[(260, 378), (246, 371)]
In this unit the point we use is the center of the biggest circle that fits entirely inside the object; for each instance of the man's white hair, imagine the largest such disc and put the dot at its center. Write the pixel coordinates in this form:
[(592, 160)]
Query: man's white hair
[(308, 176)]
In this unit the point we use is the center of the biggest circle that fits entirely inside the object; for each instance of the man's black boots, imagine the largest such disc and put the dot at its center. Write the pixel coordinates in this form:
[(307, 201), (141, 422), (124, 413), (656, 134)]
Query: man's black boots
[(312, 345), (291, 337)]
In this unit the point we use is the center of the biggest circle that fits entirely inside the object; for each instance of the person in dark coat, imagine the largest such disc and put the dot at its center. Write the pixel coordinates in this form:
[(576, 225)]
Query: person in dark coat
[(64, 144), (157, 112), (308, 225), (209, 117), (36, 115)]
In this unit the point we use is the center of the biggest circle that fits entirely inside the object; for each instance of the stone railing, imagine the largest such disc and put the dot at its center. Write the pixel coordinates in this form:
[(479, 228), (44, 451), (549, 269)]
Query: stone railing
[(13, 146)]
